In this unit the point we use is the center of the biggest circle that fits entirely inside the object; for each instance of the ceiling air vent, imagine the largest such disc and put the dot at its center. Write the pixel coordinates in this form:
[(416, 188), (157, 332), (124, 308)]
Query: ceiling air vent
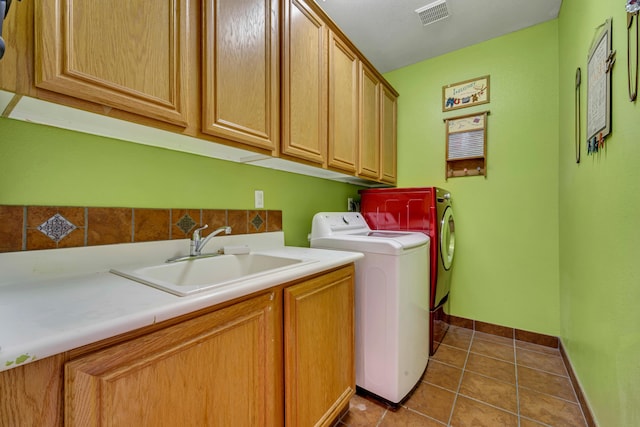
[(433, 12)]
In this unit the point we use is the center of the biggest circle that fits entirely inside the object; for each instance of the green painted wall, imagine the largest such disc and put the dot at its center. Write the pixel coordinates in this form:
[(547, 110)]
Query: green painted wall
[(543, 244), (42, 165), (600, 226), (506, 261)]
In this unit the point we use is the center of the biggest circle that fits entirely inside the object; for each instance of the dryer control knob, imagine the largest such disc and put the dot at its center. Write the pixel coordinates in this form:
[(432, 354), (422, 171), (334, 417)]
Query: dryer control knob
[(447, 196)]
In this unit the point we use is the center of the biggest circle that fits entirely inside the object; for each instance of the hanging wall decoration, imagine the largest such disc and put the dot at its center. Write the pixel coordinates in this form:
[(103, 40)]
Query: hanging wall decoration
[(465, 94), (466, 149), (577, 121), (600, 62), (633, 7)]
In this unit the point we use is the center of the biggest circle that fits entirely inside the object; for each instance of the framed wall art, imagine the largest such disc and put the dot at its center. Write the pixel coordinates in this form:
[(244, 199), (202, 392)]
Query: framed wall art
[(599, 64), (465, 94), (466, 149)]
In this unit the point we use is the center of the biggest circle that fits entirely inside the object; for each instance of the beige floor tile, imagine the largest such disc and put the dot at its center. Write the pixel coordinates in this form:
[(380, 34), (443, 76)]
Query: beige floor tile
[(494, 368), (489, 390), (545, 382), (537, 347), (483, 368), (492, 338), (450, 355), (407, 418), (468, 412), (495, 350), (443, 375), (432, 401), (549, 410), (362, 413), (458, 337), (530, 423), (544, 362)]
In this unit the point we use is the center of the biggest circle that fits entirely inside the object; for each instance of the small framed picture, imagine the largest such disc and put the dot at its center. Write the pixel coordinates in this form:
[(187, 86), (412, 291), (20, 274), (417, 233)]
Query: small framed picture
[(599, 65), (465, 94)]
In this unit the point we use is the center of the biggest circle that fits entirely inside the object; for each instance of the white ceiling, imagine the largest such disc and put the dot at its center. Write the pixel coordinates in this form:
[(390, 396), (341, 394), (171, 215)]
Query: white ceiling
[(391, 35)]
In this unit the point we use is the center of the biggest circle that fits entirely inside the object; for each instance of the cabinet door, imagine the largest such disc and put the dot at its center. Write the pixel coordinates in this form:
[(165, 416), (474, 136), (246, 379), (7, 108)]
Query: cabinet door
[(304, 103), (369, 147), (319, 348), (129, 55), (240, 77), (343, 105), (30, 393), (388, 131), (218, 369)]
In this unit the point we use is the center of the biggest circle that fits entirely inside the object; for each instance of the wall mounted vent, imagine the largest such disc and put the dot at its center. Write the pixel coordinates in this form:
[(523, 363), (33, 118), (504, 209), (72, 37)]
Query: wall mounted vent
[(433, 12)]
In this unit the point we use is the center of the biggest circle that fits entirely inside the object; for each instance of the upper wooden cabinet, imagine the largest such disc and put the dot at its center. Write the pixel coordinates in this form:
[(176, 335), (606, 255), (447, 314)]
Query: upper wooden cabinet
[(377, 150), (343, 105), (388, 132), (131, 55), (276, 77), (304, 91), (241, 91), (369, 145)]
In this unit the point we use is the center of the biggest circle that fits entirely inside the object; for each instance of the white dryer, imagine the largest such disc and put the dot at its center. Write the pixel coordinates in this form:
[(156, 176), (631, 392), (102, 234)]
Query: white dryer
[(392, 294)]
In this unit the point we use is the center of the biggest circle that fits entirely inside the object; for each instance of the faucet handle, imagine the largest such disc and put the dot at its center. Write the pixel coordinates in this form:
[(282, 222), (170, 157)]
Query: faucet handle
[(196, 232)]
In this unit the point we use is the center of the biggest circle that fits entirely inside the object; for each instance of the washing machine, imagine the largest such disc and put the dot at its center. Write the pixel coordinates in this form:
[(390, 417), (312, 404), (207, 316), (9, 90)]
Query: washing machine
[(392, 313), (428, 210)]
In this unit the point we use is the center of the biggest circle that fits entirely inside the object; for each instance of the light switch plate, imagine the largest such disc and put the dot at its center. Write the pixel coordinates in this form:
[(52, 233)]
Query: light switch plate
[(259, 199)]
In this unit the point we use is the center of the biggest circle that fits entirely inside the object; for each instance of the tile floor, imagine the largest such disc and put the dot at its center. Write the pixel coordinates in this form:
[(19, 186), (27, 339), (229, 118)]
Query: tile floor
[(478, 379)]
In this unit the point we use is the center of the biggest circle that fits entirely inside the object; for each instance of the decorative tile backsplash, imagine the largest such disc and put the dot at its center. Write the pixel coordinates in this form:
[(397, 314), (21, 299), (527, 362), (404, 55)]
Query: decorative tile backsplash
[(57, 227), (24, 228)]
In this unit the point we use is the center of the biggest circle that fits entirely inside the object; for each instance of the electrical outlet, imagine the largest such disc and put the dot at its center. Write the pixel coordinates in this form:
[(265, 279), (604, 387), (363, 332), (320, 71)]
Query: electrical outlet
[(350, 204), (259, 199)]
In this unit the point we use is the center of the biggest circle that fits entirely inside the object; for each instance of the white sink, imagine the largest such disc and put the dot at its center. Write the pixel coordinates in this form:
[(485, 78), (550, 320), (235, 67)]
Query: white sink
[(203, 274)]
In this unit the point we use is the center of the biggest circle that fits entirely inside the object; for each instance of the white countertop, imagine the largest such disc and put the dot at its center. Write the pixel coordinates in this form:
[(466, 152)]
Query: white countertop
[(53, 301)]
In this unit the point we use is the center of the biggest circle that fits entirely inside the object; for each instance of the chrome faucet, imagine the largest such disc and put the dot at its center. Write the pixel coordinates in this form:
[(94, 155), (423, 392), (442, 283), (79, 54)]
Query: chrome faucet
[(197, 242)]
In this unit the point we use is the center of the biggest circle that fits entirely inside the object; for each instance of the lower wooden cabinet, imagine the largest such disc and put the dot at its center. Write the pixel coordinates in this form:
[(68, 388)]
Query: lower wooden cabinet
[(319, 349), (284, 356), (219, 369), (30, 395)]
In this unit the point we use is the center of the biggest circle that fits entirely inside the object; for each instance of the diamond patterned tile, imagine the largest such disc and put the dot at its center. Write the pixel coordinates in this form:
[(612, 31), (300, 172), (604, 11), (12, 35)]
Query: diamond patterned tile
[(186, 223), (258, 224), (56, 228)]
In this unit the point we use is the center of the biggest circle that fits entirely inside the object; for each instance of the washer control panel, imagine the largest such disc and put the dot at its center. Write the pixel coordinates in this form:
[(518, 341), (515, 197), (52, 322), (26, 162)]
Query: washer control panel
[(330, 223)]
